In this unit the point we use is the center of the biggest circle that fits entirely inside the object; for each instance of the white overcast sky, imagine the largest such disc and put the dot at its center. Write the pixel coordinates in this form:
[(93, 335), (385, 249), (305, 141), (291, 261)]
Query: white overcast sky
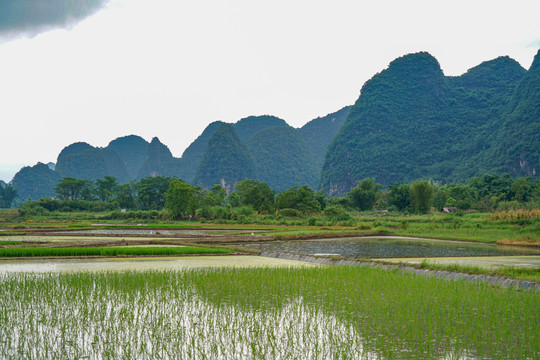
[(168, 68)]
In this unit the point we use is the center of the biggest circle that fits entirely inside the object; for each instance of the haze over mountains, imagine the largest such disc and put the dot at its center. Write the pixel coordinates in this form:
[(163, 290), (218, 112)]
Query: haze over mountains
[(410, 122)]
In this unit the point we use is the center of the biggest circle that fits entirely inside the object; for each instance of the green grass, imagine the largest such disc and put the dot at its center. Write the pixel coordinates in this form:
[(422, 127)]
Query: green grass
[(109, 251), (323, 312)]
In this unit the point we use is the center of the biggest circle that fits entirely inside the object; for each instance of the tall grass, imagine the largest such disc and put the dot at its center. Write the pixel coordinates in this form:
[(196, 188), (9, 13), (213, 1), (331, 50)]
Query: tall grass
[(316, 313), (109, 251)]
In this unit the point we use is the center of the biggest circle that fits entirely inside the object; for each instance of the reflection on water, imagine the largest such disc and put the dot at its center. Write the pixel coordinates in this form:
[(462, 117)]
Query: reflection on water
[(388, 247)]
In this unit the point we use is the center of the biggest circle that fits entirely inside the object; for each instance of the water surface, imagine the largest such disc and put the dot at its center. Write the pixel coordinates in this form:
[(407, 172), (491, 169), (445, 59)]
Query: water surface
[(142, 263), (390, 247)]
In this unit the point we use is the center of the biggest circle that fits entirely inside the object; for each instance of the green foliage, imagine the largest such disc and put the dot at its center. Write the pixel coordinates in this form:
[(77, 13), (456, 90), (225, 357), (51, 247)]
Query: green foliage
[(457, 195), (364, 195), (515, 142), (289, 212), (521, 190), (440, 199), (492, 185), (336, 213), (391, 130), (69, 188), (421, 196), (151, 192), (106, 188), (253, 193), (302, 199), (181, 199), (399, 196), (126, 195)]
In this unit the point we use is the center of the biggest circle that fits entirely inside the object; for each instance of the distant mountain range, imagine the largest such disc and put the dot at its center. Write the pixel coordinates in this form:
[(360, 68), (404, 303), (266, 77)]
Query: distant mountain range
[(261, 147), (410, 122)]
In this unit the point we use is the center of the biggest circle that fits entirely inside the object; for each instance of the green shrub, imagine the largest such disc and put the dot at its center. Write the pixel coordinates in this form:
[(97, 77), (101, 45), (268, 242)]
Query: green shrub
[(289, 213)]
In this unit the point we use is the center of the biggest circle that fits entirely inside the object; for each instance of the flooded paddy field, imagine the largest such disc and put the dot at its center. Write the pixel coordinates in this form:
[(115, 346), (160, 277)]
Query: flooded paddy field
[(253, 307), (142, 263), (262, 313), (158, 231), (391, 247)]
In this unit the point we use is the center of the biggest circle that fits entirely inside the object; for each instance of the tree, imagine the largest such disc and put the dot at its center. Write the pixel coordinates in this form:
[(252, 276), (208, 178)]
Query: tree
[(490, 185), (181, 199), (69, 188), (302, 199), (439, 199), (256, 194), (421, 196), (461, 193), (7, 195), (400, 196), (521, 189), (216, 196), (364, 195), (151, 192), (106, 188), (126, 195)]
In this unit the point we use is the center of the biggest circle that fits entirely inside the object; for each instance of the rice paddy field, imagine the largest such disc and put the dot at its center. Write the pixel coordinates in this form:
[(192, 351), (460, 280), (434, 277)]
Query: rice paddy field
[(108, 251), (263, 313)]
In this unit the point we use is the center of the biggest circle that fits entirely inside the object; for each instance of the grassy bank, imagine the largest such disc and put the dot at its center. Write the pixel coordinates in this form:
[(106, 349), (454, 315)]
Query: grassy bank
[(326, 312)]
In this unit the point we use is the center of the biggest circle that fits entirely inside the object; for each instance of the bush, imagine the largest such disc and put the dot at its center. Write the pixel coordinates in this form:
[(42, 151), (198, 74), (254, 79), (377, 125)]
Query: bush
[(335, 211), (32, 208), (289, 213)]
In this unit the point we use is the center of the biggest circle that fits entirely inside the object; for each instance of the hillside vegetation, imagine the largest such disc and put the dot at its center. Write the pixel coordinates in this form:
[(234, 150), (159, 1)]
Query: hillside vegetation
[(412, 122)]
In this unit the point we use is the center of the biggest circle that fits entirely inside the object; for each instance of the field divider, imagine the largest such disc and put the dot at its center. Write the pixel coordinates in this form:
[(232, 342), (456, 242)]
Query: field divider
[(497, 281)]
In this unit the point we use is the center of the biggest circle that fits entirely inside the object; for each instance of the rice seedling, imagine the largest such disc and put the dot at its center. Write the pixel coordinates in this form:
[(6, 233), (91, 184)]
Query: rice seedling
[(285, 313), (10, 242), (109, 251)]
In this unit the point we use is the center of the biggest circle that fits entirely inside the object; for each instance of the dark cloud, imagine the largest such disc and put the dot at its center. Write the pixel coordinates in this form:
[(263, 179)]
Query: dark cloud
[(30, 17)]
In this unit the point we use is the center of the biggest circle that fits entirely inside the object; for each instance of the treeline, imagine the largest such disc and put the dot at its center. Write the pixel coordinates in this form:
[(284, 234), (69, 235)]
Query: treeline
[(171, 198)]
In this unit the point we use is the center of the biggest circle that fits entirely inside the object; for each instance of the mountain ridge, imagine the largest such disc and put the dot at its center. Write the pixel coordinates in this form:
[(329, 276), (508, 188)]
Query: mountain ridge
[(409, 122)]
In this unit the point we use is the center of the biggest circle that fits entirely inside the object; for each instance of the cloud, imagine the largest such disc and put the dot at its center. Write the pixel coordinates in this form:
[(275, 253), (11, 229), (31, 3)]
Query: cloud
[(31, 17)]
